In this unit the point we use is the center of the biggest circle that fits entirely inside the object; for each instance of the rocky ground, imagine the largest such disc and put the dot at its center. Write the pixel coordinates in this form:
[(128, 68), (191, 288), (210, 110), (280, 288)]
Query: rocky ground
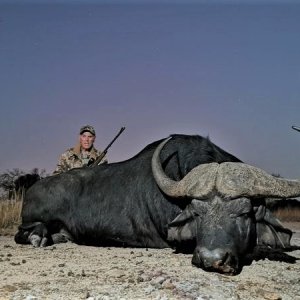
[(68, 271)]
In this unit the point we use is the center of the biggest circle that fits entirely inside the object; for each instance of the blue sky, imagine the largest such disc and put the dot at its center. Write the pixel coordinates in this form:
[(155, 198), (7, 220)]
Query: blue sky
[(228, 70)]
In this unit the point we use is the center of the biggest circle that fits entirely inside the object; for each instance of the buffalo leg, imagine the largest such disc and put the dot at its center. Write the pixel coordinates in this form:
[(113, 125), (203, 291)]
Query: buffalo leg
[(35, 234), (62, 236)]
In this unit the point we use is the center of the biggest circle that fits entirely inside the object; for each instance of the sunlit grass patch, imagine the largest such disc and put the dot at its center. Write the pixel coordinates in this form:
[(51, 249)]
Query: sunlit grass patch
[(10, 215), (288, 214)]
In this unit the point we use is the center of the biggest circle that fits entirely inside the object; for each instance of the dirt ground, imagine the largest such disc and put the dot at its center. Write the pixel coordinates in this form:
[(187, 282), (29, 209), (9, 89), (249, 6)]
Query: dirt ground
[(68, 271)]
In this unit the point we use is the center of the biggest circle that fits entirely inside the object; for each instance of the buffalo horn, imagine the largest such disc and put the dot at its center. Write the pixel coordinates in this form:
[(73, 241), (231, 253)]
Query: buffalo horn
[(201, 183), (230, 179), (238, 179)]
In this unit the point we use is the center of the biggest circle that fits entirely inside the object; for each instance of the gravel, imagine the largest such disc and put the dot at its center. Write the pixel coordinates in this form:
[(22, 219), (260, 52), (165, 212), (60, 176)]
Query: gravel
[(69, 271)]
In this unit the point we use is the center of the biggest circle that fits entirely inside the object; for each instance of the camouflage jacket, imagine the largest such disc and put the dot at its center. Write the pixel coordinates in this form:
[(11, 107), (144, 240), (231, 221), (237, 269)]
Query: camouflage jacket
[(72, 158)]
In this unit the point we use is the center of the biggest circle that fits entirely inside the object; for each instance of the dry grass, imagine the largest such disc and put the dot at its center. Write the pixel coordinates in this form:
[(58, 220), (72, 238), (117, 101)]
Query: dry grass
[(288, 214), (10, 215)]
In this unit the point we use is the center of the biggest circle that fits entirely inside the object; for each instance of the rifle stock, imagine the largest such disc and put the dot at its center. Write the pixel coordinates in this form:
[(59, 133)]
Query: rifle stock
[(102, 155)]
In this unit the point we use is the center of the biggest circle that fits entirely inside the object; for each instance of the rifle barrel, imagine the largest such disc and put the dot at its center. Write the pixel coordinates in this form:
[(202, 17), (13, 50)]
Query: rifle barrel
[(97, 161), (121, 130), (296, 128)]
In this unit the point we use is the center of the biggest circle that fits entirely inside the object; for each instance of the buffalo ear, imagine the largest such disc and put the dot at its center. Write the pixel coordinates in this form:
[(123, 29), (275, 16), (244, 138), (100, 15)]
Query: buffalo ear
[(270, 231), (183, 227)]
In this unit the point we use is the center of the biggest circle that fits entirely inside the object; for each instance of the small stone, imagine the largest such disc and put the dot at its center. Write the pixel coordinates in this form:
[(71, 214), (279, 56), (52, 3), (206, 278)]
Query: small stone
[(31, 297), (158, 281), (116, 273), (167, 284), (139, 254), (149, 289), (271, 295)]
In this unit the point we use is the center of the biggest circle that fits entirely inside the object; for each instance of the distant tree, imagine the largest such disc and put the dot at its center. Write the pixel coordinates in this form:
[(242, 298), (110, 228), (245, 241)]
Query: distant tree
[(14, 182), (7, 181)]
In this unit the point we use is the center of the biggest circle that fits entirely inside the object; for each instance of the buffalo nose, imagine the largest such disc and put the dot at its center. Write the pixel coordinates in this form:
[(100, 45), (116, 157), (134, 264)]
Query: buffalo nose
[(217, 260)]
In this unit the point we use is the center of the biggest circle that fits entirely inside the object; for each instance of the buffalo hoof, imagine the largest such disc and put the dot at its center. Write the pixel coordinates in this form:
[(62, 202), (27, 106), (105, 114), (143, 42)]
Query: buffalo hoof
[(21, 237), (63, 236), (37, 241)]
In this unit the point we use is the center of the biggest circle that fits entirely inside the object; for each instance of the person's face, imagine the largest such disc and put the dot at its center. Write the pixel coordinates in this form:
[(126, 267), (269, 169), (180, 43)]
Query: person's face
[(86, 140)]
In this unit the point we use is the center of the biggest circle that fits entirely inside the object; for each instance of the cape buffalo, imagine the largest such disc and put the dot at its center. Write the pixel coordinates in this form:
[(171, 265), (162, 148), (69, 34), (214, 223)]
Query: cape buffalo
[(186, 193)]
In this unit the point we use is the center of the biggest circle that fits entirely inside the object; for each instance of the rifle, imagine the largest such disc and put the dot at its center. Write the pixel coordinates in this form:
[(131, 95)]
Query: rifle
[(101, 156)]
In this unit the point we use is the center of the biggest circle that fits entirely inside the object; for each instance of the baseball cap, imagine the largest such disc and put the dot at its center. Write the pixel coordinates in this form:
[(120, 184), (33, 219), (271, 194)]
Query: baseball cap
[(88, 128)]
